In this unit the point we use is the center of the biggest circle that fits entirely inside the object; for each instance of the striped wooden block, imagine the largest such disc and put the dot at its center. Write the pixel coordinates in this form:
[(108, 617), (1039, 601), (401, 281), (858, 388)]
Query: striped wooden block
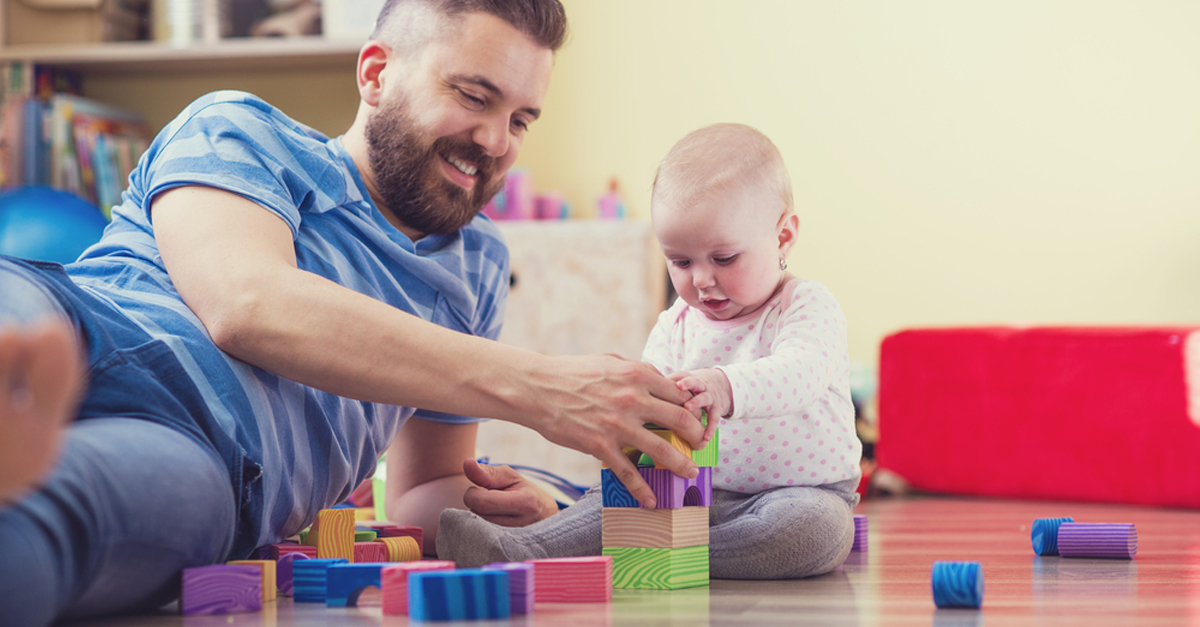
[(672, 438), (335, 534), (401, 548), (221, 589), (707, 457), (521, 585), (395, 583), (283, 548), (659, 569), (672, 491), (310, 579), (1105, 540), (573, 579), (634, 527), (345, 582), (468, 594), (370, 552), (613, 492), (267, 567)]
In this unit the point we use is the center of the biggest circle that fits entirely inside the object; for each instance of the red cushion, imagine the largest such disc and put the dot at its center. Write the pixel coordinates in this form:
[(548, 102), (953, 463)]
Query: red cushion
[(1094, 414)]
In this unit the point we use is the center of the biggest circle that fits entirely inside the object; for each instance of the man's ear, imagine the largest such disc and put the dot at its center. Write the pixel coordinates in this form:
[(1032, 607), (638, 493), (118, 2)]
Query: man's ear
[(789, 229), (372, 60)]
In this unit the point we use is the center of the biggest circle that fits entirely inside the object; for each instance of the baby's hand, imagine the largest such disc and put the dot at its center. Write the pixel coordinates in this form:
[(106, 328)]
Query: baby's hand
[(711, 391)]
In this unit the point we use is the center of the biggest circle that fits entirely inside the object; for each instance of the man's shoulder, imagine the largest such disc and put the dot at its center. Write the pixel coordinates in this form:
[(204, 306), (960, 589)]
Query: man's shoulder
[(244, 111)]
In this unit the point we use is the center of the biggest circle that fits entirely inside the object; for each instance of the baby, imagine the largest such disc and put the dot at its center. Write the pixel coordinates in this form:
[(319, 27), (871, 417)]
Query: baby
[(759, 348)]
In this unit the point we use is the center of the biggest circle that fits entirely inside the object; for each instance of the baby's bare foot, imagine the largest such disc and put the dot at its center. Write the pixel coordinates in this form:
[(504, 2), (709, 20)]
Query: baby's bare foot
[(41, 377)]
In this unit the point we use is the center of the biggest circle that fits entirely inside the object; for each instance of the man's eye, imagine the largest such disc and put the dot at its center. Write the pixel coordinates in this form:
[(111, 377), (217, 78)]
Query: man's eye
[(520, 125), (472, 99)]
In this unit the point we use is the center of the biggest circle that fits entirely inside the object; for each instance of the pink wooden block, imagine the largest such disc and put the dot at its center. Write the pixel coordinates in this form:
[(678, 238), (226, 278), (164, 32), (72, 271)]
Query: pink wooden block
[(395, 583), (573, 579), (283, 548), (369, 552)]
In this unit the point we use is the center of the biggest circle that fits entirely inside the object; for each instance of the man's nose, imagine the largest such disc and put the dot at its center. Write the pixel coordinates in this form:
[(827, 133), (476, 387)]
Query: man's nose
[(492, 135)]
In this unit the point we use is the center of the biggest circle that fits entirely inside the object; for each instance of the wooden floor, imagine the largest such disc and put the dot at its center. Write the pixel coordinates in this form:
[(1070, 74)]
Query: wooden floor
[(889, 584)]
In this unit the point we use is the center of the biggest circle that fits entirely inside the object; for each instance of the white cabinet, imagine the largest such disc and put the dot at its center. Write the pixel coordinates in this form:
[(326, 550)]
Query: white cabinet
[(580, 286)]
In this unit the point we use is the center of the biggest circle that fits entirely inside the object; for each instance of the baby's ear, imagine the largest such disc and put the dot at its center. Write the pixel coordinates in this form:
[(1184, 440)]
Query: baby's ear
[(789, 227)]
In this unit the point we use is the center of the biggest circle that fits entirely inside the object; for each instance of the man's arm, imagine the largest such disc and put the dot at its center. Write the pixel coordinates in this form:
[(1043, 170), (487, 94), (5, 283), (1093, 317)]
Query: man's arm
[(234, 264)]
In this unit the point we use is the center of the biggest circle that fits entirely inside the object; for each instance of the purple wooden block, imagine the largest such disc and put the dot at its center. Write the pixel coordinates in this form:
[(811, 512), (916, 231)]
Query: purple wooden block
[(221, 589), (860, 533), (1111, 540), (520, 585), (673, 492), (283, 572)]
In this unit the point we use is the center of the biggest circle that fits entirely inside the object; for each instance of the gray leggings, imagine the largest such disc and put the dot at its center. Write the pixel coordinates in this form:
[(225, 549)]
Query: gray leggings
[(784, 533)]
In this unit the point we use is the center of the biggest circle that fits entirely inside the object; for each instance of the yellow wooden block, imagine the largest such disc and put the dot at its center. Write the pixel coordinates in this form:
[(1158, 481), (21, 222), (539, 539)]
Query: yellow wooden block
[(364, 514), (401, 549), (335, 537), (637, 527), (675, 440), (268, 576)]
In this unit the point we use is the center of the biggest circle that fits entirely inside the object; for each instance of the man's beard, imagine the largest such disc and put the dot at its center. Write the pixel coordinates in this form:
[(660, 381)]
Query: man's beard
[(408, 177)]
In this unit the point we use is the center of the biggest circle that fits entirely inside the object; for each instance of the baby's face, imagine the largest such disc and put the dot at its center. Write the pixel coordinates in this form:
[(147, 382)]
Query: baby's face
[(723, 250)]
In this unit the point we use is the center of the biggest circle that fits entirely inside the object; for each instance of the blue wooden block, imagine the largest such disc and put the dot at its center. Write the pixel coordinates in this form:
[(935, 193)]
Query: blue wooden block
[(957, 584), (347, 581), (1045, 535), (310, 579), (614, 492), (468, 594)]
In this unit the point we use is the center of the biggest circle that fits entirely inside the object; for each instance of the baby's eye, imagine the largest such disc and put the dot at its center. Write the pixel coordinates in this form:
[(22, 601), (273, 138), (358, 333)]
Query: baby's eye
[(725, 260), (681, 263)]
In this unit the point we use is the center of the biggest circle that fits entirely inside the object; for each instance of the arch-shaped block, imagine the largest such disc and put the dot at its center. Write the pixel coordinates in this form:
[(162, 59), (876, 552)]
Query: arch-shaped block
[(672, 491), (347, 581)]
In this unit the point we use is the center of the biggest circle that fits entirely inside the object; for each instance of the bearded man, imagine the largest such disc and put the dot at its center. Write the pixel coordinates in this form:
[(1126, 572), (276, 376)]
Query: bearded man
[(269, 308)]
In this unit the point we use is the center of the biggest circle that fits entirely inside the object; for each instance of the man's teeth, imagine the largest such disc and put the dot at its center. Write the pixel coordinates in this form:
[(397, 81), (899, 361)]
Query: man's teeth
[(462, 166)]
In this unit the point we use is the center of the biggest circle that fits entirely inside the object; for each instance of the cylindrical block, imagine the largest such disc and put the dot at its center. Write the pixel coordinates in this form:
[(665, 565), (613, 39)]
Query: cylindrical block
[(957, 584), (860, 533), (1108, 540), (1045, 535)]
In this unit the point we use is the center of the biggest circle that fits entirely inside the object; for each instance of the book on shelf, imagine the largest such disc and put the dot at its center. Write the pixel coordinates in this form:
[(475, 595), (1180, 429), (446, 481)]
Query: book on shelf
[(71, 143)]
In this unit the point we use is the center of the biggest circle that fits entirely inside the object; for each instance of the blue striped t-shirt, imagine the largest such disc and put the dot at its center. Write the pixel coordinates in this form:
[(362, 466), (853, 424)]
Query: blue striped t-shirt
[(312, 447)]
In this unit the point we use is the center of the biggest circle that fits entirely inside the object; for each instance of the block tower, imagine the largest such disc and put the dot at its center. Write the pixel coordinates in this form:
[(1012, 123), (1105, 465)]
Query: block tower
[(665, 547)]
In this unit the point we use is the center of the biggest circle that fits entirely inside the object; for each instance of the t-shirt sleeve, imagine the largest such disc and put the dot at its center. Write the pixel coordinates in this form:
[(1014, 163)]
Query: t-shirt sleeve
[(238, 147)]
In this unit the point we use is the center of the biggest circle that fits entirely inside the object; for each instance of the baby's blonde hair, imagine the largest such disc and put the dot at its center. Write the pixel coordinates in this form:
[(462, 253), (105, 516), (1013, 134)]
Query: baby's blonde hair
[(716, 158)]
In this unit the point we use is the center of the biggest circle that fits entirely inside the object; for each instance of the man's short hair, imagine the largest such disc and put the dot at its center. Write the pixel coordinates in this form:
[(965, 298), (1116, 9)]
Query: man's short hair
[(543, 21), (717, 158)]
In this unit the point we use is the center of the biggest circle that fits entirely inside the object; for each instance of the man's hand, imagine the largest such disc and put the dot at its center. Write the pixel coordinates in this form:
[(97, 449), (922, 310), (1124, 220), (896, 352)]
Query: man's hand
[(711, 391), (503, 496), (598, 404)]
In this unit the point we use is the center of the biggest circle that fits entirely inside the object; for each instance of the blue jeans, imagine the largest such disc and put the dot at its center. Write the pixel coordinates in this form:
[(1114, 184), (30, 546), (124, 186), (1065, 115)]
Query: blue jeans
[(130, 503)]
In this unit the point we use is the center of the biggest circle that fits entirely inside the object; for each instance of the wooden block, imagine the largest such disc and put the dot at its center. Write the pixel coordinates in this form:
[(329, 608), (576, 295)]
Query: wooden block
[(672, 491), (345, 582), (400, 548), (707, 457), (674, 440), (468, 594), (364, 514), (221, 589), (655, 528), (283, 548), (370, 552), (521, 585), (613, 492), (573, 579), (335, 534), (388, 530), (268, 576), (310, 579), (395, 583), (659, 569), (365, 535)]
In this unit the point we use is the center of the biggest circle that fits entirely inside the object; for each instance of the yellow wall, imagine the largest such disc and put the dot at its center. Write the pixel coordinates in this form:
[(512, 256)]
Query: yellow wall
[(955, 162)]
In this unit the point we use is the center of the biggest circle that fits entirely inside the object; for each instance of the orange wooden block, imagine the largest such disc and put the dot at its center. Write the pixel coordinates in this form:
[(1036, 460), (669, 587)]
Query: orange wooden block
[(401, 548), (335, 534), (268, 575)]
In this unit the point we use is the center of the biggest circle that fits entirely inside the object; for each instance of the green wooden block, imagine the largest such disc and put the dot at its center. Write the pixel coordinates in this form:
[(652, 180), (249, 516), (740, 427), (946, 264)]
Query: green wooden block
[(365, 536), (659, 569), (708, 457)]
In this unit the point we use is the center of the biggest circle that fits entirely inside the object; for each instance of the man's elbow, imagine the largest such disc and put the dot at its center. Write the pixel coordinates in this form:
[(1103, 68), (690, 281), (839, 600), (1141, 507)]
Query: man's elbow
[(236, 323)]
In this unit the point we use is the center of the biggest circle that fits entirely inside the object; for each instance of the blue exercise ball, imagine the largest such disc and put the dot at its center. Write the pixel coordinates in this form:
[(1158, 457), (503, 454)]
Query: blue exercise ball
[(47, 224)]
